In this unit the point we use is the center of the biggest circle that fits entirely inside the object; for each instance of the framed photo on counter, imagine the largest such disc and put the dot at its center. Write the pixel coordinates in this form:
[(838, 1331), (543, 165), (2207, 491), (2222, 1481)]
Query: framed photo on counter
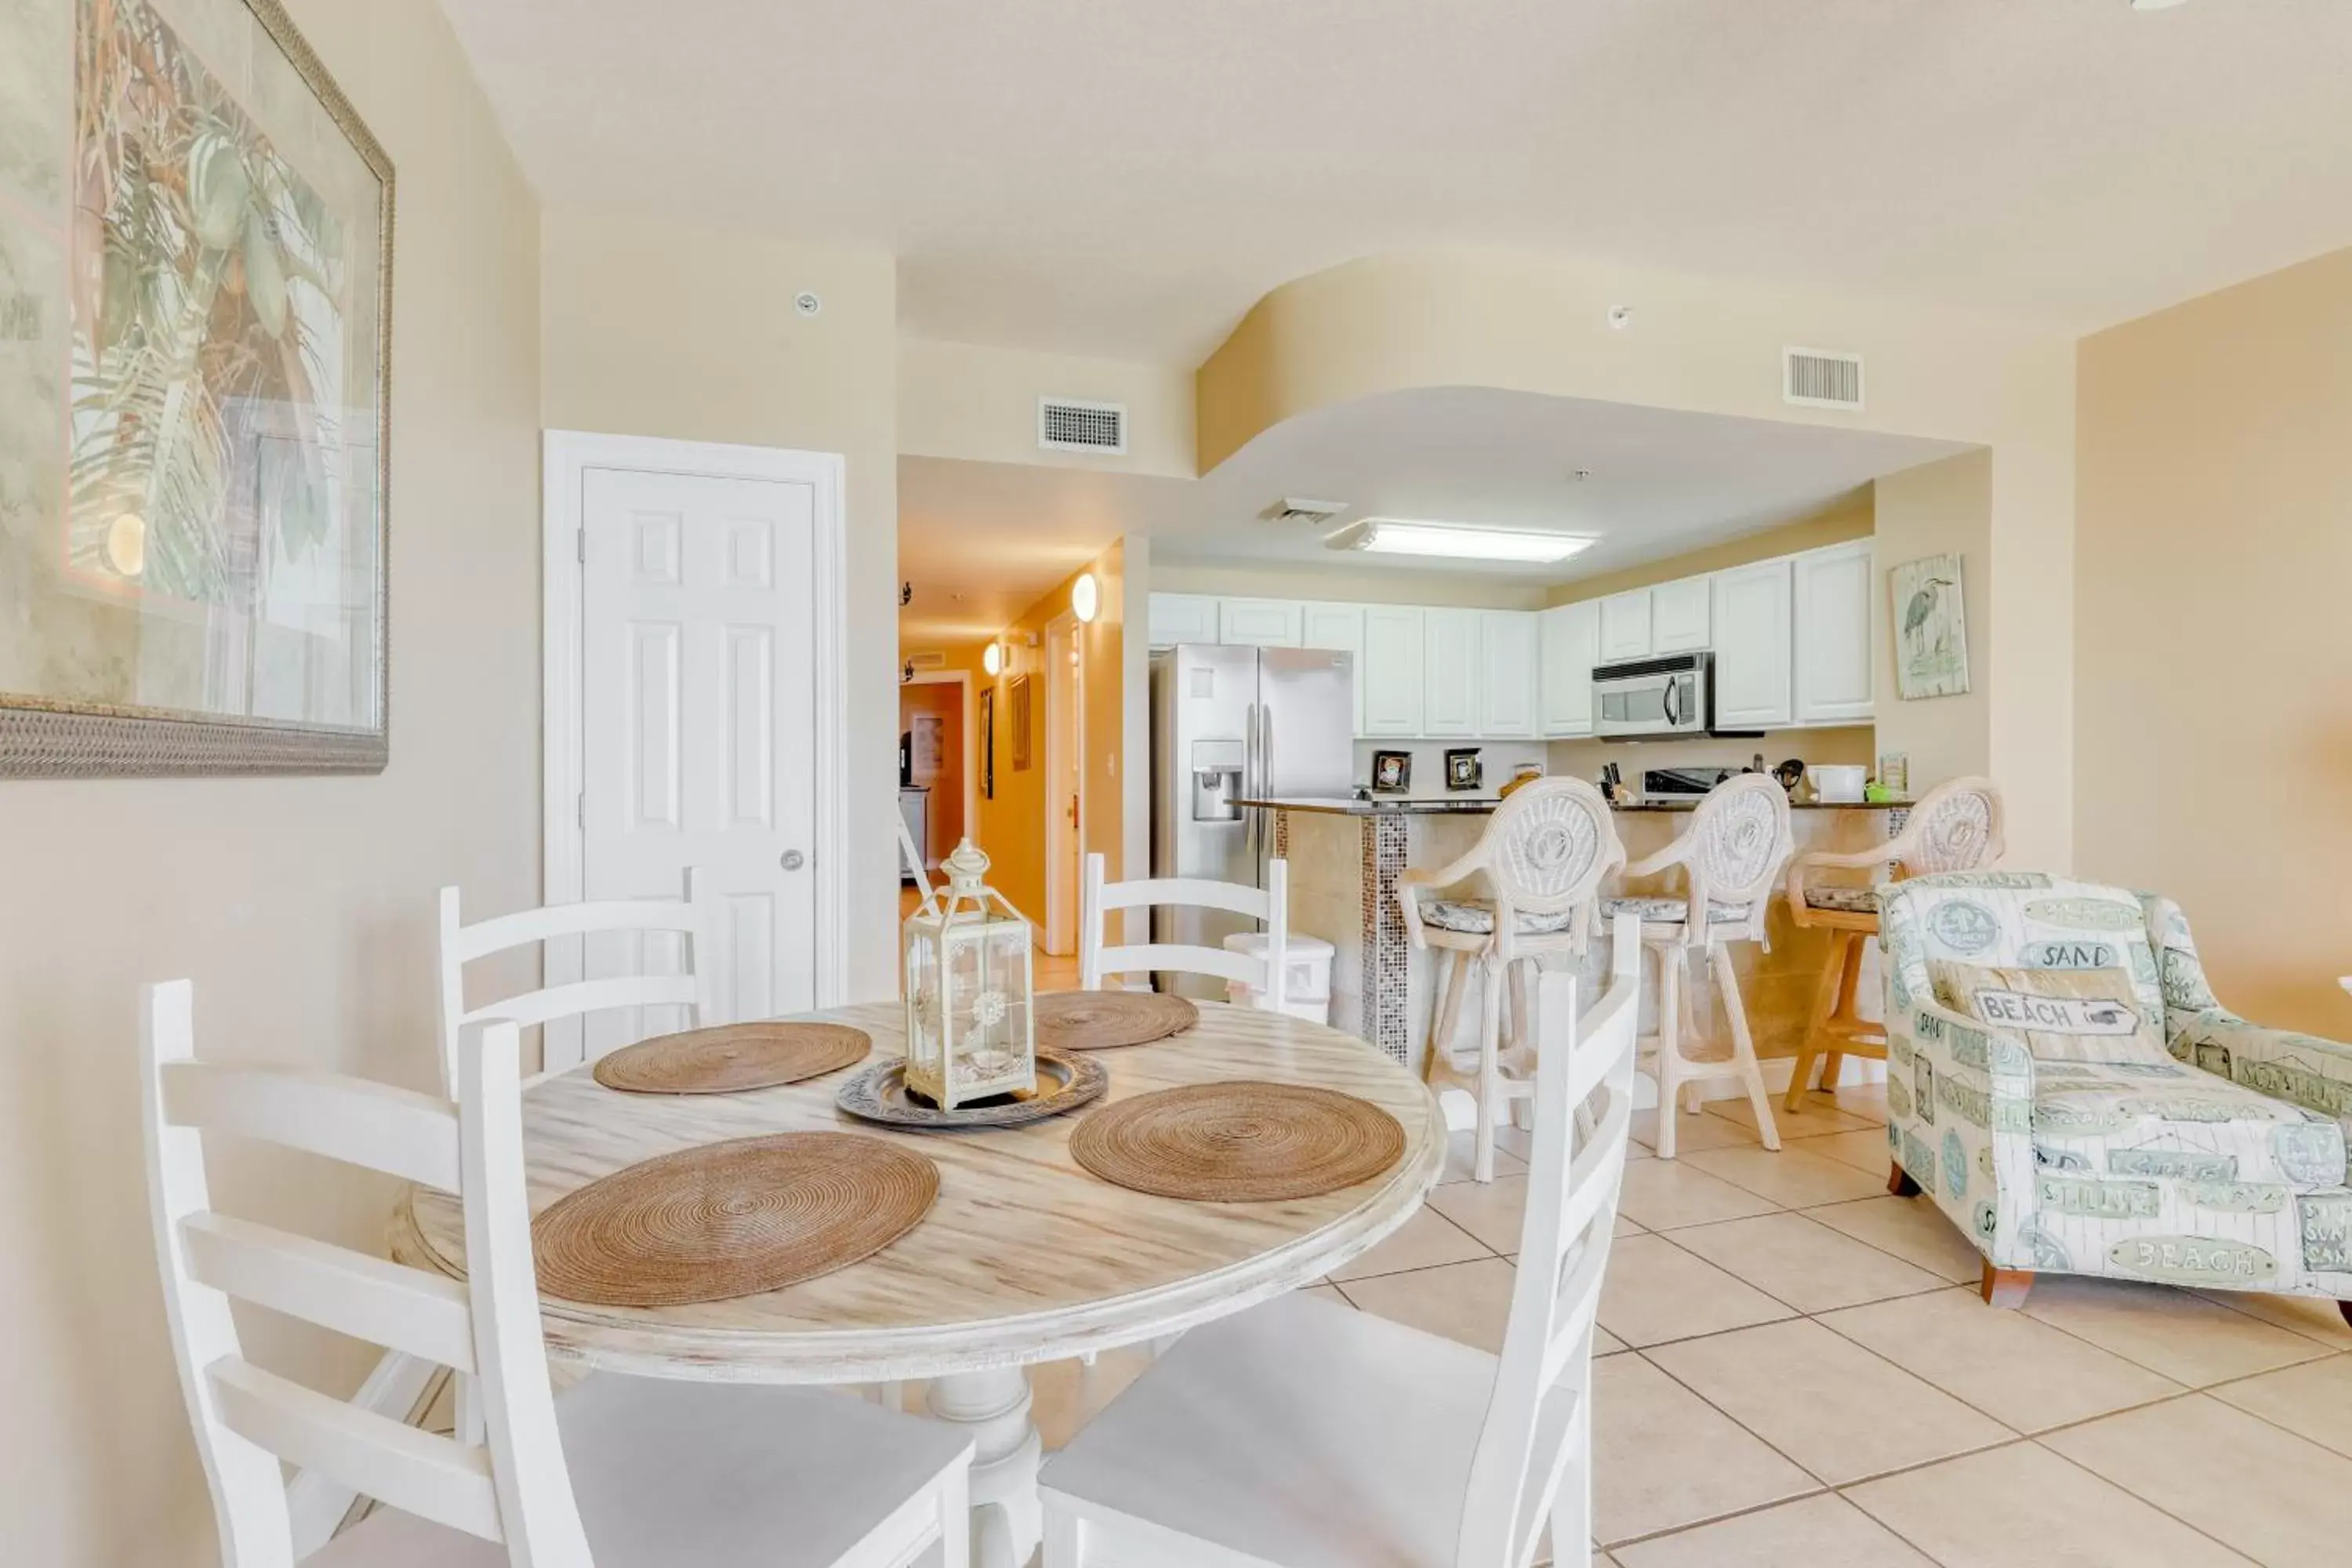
[(1463, 770), (1392, 772)]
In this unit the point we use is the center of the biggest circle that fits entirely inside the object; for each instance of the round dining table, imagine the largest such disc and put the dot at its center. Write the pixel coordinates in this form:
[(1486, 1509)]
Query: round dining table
[(1025, 1257)]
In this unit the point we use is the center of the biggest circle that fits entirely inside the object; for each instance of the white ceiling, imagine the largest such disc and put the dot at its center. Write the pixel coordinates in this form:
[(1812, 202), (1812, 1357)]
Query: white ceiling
[(1128, 176), (1662, 483)]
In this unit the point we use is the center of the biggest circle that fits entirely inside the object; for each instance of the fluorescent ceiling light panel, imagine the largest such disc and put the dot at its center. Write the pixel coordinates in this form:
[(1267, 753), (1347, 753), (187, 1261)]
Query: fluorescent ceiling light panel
[(1395, 536)]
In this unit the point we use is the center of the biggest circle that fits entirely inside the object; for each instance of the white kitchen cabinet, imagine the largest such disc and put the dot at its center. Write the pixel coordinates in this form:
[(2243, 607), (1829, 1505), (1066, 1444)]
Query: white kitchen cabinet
[(1506, 685), (1449, 691), (1754, 654), (1182, 617), (1570, 639), (1832, 599), (1680, 616), (1392, 670), (1258, 623), (1625, 625), (1341, 628)]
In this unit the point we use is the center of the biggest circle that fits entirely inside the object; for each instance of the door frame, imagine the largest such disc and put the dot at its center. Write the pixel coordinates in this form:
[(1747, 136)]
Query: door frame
[(566, 455), (971, 740), (1066, 685)]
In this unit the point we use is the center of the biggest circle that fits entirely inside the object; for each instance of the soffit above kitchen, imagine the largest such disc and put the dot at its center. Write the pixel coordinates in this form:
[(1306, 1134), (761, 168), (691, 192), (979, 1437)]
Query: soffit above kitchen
[(1127, 180)]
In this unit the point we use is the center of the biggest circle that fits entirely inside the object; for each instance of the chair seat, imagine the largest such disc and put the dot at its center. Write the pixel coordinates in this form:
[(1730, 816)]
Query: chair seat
[(1843, 900), (1475, 917), (2162, 1121), (690, 1474), (1671, 911), (1298, 1433)]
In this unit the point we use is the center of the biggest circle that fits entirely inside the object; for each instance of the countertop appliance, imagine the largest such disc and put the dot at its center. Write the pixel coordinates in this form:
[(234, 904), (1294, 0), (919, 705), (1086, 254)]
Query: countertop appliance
[(1661, 784), (1666, 699), (1231, 724)]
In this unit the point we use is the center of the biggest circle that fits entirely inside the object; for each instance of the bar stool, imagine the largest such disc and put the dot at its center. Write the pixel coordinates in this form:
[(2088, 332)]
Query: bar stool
[(1731, 857), (1956, 826), (1544, 854)]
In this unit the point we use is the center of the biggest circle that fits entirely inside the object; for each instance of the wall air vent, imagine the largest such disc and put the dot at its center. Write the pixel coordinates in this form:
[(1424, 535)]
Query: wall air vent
[(931, 660), (1298, 509), (1073, 425), (1815, 378)]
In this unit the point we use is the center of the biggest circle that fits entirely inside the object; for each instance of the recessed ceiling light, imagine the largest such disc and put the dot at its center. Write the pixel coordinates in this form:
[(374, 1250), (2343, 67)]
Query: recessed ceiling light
[(1397, 536)]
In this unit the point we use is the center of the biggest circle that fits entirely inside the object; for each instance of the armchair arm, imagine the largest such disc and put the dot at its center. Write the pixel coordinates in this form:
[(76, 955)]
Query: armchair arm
[(2304, 1071), (1663, 859), (1960, 1107), (1831, 861), (1412, 880)]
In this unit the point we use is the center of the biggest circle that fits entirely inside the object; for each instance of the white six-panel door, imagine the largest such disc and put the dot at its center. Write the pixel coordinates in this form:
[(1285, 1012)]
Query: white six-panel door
[(699, 723)]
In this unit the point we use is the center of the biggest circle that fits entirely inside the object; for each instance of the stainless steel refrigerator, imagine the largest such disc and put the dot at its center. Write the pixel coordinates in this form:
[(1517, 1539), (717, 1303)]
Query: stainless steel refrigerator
[(1231, 724)]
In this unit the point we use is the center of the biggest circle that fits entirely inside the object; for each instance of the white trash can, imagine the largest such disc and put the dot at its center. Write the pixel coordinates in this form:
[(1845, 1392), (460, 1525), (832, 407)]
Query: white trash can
[(1307, 977)]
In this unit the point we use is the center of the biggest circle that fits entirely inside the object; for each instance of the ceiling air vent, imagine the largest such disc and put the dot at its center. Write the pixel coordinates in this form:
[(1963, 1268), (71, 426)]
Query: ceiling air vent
[(1072, 424), (1298, 509), (1816, 378)]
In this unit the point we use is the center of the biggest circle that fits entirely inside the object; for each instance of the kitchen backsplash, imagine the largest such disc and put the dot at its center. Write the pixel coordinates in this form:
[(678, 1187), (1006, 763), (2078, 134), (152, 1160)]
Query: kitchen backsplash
[(1585, 759)]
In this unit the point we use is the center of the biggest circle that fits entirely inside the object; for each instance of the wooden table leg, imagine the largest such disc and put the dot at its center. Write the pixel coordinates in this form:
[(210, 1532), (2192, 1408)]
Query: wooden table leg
[(1899, 1182), (993, 1407)]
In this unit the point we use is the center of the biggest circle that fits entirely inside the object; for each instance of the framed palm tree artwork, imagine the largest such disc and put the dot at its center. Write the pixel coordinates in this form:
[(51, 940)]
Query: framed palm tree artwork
[(196, 308)]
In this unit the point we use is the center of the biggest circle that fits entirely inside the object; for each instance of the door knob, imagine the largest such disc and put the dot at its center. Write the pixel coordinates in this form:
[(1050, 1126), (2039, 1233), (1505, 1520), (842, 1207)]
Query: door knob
[(793, 860)]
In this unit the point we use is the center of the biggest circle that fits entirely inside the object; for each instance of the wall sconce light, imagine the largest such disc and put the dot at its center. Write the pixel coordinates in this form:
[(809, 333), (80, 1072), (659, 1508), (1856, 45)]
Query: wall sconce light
[(1085, 597), (991, 659)]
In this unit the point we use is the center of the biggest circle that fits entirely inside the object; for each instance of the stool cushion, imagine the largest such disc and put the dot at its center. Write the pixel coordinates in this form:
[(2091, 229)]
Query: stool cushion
[(1843, 900), (1672, 911), (1475, 917)]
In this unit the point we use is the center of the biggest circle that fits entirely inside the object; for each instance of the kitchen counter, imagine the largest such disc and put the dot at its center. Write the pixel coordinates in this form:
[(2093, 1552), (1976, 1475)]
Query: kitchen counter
[(1480, 805)]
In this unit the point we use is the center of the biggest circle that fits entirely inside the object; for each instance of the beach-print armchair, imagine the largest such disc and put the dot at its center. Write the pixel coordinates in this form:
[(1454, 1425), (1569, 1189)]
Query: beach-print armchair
[(2215, 1161)]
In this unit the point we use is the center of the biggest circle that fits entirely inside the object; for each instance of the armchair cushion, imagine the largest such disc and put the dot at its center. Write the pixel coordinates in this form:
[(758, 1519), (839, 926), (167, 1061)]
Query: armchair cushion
[(2062, 1015), (1475, 917)]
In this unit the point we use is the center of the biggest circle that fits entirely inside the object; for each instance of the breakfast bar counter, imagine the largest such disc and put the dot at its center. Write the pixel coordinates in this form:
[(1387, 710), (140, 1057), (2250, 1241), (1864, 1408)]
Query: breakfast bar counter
[(1344, 856)]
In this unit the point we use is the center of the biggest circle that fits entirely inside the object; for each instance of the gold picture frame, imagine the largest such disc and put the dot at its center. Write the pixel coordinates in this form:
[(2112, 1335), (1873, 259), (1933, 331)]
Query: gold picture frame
[(195, 578)]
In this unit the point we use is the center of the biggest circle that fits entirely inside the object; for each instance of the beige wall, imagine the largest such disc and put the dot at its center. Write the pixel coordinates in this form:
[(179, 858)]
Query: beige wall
[(1713, 345), (303, 909), (661, 328), (1343, 584), (2214, 666), (1929, 511), (1847, 519), (978, 402)]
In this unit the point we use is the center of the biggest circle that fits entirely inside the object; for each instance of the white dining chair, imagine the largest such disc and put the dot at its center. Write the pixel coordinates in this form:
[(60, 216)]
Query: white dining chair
[(620, 1472), (1265, 973), (1305, 1435), (1731, 857), (691, 991)]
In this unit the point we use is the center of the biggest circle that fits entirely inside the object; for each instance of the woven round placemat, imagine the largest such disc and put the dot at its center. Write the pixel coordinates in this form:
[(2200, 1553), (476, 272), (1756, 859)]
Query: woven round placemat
[(1238, 1143), (732, 1058), (1100, 1020), (731, 1219)]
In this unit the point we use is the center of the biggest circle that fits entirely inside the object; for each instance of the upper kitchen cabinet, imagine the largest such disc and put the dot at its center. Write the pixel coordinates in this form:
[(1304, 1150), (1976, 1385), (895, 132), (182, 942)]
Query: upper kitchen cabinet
[(1182, 617), (1390, 670), (1570, 639), (1258, 623), (1680, 616), (1832, 599), (1506, 685), (1754, 649), (1625, 625), (1450, 666), (1341, 628)]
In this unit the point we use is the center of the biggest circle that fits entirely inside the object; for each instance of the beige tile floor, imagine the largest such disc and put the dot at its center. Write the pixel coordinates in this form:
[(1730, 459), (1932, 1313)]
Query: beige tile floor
[(1795, 1370)]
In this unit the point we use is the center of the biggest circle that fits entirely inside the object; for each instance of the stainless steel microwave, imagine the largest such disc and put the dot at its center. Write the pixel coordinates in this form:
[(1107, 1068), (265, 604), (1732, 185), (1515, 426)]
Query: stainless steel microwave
[(1655, 697)]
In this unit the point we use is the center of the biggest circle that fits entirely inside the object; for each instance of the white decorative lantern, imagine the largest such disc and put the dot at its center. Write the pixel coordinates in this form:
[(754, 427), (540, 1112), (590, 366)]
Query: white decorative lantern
[(969, 1031)]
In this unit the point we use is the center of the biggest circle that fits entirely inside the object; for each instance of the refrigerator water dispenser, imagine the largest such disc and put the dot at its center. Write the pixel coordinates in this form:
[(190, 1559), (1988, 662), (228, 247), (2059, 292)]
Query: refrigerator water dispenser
[(1217, 780)]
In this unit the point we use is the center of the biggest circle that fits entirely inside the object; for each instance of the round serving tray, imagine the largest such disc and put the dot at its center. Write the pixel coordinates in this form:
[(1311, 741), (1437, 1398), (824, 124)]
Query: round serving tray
[(880, 1094)]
